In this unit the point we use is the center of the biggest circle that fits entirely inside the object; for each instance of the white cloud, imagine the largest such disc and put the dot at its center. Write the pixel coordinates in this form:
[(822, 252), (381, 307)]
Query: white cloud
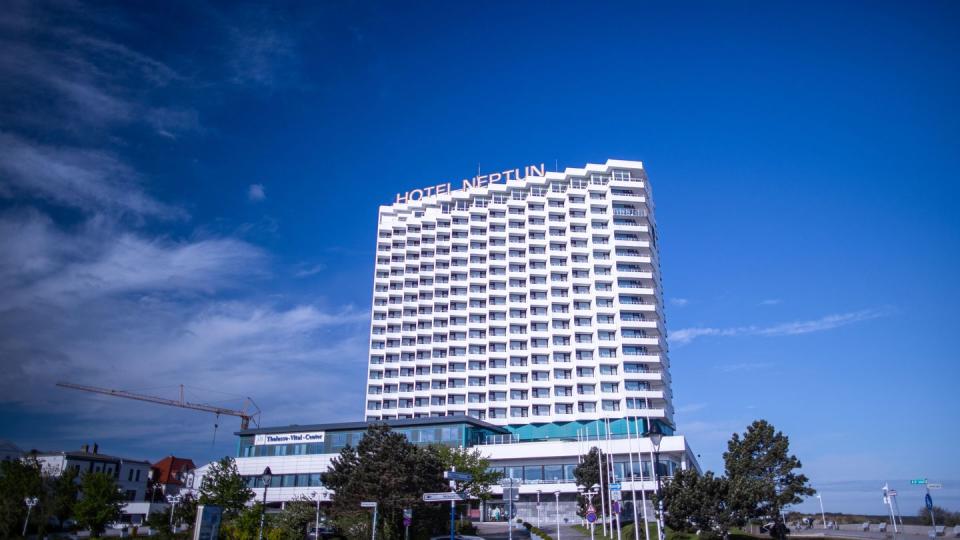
[(255, 192), (306, 271), (770, 302), (679, 302), (90, 180), (828, 322)]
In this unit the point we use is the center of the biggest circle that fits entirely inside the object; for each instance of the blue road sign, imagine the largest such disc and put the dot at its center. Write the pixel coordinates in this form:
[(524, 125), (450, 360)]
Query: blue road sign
[(459, 476), (615, 485), (591, 516), (928, 500)]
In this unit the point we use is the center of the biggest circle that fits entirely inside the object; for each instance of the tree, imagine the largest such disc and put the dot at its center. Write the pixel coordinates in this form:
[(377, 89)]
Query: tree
[(18, 480), (693, 503), (224, 487), (471, 462), (297, 515), (159, 522), (385, 467), (762, 475), (587, 474), (942, 515), (186, 510), (100, 502), (59, 496)]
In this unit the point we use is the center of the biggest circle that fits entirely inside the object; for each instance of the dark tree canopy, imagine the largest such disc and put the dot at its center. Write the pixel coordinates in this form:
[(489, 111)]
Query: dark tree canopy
[(763, 475), (587, 474), (697, 503), (385, 467), (18, 480)]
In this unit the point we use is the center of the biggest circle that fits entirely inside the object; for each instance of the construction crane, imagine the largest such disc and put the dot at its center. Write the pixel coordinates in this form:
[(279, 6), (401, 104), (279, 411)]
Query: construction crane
[(249, 413)]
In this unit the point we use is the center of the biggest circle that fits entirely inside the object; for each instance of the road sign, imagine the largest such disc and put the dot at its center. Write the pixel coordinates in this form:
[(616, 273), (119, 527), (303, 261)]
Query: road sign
[(892, 493), (928, 500), (408, 513), (444, 496), (459, 476), (511, 494), (368, 504), (615, 495), (616, 506), (591, 514), (615, 485), (934, 486), (919, 481)]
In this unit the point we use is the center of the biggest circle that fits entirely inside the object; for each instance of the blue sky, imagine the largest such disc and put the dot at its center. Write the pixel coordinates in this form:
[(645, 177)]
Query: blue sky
[(188, 193)]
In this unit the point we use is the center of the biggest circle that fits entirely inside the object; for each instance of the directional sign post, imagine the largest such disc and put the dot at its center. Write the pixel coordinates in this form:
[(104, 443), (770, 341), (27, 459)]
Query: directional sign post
[(407, 520), (371, 504), (918, 481), (928, 501), (458, 476), (934, 486), (443, 496), (591, 518)]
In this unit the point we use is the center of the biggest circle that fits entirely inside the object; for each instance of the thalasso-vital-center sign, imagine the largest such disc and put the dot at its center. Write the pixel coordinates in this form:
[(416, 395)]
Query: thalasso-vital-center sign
[(467, 183), (289, 438)]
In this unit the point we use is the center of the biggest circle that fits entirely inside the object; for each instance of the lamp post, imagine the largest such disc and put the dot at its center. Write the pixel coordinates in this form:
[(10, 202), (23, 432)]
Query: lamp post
[(538, 508), (656, 437), (822, 515), (316, 524), (173, 500), (266, 476), (30, 502), (557, 495)]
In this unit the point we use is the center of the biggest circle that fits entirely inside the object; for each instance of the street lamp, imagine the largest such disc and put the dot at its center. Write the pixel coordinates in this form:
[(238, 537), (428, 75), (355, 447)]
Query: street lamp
[(173, 500), (266, 476), (655, 434), (822, 515), (557, 495), (30, 502), (316, 526), (538, 508)]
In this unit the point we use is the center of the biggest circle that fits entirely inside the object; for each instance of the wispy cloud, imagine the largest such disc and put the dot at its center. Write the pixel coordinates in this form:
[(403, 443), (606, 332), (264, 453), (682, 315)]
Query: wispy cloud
[(306, 271), (690, 408), (828, 322), (255, 192), (91, 180), (679, 302), (770, 302), (744, 366)]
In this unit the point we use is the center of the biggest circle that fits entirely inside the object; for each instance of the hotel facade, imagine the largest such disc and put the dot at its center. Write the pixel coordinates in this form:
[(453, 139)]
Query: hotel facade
[(520, 312)]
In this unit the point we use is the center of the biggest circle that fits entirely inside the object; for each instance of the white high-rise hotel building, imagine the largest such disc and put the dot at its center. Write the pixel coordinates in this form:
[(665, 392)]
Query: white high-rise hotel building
[(530, 300)]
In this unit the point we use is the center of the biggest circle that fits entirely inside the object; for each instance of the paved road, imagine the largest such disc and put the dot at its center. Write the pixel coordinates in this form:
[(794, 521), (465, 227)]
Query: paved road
[(498, 531)]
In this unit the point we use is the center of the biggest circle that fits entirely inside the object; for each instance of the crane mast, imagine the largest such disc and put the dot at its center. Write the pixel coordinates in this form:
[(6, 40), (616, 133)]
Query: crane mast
[(250, 411)]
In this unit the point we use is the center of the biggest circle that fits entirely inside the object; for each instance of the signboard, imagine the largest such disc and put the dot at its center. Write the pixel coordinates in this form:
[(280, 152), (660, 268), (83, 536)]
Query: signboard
[(444, 496), (368, 504), (616, 506), (615, 485), (892, 493), (919, 481), (591, 514), (288, 438), (477, 181), (459, 476), (934, 486), (511, 494), (407, 516), (928, 500), (615, 495), (207, 525)]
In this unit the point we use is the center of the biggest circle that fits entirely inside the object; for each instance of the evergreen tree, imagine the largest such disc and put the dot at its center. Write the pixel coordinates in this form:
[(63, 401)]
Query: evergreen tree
[(386, 468), (100, 502), (693, 503), (587, 474), (224, 487), (762, 475)]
